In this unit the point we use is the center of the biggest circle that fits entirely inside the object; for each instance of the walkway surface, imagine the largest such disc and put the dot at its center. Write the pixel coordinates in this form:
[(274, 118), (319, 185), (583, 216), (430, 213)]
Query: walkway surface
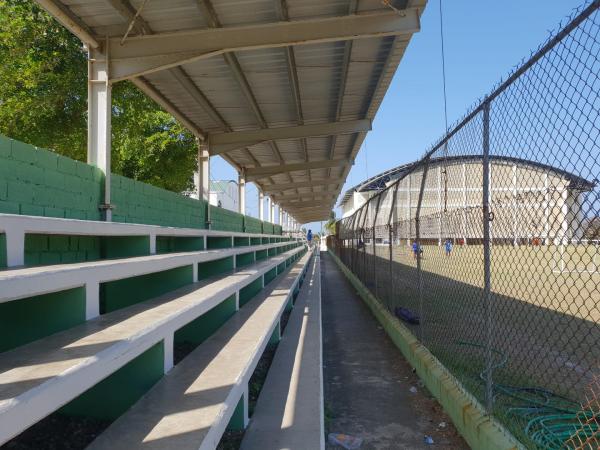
[(367, 381)]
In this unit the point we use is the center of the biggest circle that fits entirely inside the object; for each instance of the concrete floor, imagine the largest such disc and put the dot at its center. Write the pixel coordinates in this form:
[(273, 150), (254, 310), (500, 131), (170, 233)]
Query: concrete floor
[(367, 381)]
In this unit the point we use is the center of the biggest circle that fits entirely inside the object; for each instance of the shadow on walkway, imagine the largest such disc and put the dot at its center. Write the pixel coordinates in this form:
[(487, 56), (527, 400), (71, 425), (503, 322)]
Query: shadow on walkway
[(367, 381)]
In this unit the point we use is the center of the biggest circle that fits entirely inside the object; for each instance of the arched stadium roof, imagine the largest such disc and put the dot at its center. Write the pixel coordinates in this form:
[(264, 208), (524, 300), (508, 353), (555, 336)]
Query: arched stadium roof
[(380, 182)]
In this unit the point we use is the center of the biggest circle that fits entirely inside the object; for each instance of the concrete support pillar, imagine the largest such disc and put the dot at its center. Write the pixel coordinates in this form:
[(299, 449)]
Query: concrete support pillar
[(261, 205), (99, 121), (202, 180), (272, 212), (242, 193), (280, 215)]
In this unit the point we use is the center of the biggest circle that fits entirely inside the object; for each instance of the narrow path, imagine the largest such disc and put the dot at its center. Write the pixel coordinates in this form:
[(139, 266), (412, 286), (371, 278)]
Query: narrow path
[(367, 381)]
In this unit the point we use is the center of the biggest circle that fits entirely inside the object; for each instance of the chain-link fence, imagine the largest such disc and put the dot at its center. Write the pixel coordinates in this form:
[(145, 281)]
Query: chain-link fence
[(491, 242)]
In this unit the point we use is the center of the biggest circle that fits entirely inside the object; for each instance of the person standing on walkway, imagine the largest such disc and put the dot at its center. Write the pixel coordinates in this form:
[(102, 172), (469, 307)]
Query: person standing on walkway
[(309, 237), (448, 247)]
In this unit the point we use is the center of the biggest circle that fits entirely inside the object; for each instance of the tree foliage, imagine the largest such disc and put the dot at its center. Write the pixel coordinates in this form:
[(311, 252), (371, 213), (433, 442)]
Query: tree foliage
[(43, 101)]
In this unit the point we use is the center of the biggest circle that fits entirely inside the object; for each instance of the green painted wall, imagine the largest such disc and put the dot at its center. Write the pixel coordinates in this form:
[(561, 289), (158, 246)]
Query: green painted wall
[(261, 254), (28, 319), (238, 419), (249, 291), (137, 202), (225, 220), (244, 259), (253, 225), (241, 242), (255, 241), (281, 267), (211, 268), (115, 394), (270, 275), (3, 254), (204, 326), (218, 242), (173, 244), (124, 246), (122, 293), (38, 182), (268, 228)]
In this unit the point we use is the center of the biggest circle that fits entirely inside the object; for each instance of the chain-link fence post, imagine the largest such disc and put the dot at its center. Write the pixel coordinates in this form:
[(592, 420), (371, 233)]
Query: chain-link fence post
[(374, 259), (487, 217), (419, 249), (392, 219)]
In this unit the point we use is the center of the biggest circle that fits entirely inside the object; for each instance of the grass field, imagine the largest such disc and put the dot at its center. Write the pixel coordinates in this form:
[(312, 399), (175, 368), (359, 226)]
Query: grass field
[(543, 315)]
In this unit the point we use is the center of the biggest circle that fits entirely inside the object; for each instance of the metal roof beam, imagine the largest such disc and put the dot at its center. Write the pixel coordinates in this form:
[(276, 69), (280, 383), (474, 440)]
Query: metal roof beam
[(255, 173), (318, 194), (70, 21), (140, 55), (226, 142), (288, 186), (292, 206)]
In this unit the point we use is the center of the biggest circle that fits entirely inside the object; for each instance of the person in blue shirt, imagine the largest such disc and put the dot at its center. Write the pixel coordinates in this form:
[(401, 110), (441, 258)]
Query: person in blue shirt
[(415, 249), (309, 237), (448, 247)]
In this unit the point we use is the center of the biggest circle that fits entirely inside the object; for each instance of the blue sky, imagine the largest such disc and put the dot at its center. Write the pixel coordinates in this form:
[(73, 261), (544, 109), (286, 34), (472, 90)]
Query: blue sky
[(483, 41)]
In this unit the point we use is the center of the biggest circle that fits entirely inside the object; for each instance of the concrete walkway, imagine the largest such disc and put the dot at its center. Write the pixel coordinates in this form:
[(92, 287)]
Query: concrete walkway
[(367, 381)]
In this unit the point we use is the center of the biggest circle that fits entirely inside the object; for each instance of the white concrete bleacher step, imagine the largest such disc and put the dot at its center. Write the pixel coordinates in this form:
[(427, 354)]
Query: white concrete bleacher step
[(16, 226), (30, 281), (289, 410), (38, 378), (192, 405)]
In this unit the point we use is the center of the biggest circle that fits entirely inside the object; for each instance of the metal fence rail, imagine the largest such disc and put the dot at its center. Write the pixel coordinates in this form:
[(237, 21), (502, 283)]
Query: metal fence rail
[(493, 240)]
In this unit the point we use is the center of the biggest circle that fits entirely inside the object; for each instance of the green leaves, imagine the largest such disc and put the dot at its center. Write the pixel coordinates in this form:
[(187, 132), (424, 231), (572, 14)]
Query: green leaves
[(43, 101)]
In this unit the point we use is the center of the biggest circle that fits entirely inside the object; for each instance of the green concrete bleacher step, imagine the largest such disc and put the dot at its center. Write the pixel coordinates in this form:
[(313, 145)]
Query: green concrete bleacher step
[(289, 410), (192, 405), (37, 379)]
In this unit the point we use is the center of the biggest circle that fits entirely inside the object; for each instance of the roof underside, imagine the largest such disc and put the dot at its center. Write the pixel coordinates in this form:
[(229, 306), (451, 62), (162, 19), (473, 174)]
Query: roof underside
[(285, 90)]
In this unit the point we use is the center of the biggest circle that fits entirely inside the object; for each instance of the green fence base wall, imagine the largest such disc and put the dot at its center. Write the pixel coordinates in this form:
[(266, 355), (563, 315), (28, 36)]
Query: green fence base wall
[(115, 394), (281, 267), (249, 291), (174, 244), (23, 321), (218, 242), (122, 293), (200, 329), (468, 415), (3, 254), (261, 254), (211, 268)]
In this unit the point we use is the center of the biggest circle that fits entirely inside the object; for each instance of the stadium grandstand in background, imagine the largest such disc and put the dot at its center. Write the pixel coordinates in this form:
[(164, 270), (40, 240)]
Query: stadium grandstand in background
[(493, 240)]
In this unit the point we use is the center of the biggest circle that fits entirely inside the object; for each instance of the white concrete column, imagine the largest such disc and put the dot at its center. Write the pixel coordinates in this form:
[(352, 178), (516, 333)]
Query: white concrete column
[(280, 215), (202, 180), (92, 300), (272, 212), (261, 205), (15, 246), (242, 193), (168, 352), (99, 120)]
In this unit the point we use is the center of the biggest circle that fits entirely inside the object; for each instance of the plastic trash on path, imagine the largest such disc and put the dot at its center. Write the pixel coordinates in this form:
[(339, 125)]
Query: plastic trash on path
[(345, 440), (428, 440)]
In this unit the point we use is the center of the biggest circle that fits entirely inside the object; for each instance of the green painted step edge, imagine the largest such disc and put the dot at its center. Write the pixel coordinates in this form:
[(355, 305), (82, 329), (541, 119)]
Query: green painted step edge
[(468, 415)]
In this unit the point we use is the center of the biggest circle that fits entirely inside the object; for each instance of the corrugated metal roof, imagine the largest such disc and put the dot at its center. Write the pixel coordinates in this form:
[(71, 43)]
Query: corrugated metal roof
[(269, 87)]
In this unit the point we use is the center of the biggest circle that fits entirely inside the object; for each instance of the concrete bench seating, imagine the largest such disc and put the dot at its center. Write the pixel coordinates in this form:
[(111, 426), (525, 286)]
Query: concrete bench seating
[(191, 406), (37, 379), (15, 227), (31, 281), (289, 410)]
